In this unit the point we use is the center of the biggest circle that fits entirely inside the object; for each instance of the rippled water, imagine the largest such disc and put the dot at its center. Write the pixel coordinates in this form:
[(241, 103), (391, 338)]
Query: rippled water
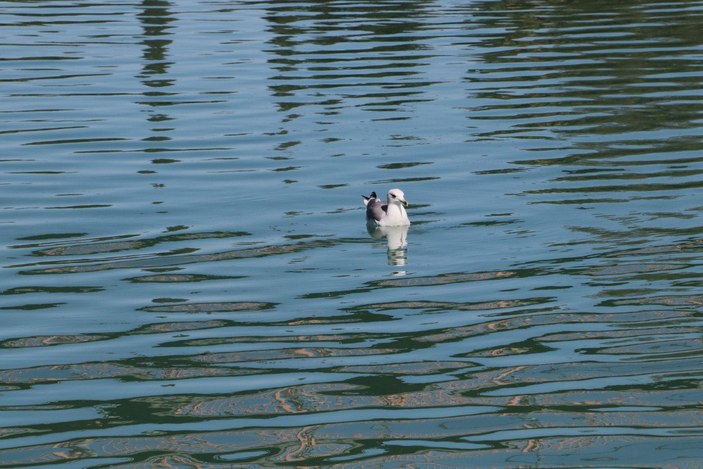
[(187, 278)]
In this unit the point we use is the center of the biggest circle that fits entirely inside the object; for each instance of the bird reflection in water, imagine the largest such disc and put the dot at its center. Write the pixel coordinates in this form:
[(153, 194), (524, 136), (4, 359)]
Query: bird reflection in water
[(397, 243)]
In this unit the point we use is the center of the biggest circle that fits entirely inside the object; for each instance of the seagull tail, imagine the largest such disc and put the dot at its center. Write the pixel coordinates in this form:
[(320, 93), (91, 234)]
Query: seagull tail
[(366, 199)]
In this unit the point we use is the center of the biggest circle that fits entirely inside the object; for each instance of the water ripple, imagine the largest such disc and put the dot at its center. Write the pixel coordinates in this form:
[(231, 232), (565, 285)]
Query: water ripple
[(186, 276)]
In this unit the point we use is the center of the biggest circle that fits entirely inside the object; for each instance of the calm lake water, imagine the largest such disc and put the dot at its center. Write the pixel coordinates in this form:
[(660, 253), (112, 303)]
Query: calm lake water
[(186, 276)]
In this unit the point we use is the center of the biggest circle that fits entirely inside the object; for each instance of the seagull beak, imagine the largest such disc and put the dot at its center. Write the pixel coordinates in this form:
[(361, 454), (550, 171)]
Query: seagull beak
[(404, 202)]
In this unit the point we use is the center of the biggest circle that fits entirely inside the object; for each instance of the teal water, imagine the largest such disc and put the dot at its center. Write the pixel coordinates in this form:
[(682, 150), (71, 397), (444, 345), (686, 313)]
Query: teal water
[(186, 277)]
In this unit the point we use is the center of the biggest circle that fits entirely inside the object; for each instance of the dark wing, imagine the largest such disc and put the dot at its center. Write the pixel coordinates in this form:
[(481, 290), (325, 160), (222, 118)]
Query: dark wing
[(375, 209)]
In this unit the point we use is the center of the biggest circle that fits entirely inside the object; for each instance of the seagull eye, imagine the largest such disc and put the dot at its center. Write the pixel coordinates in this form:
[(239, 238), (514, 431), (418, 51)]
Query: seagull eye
[(393, 195)]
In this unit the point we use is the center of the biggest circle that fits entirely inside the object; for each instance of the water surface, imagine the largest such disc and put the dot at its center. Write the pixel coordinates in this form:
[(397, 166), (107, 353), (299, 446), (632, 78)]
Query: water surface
[(187, 278)]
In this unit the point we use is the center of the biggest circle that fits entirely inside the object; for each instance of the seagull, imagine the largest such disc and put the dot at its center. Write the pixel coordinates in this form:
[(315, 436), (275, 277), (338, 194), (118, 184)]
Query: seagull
[(390, 213)]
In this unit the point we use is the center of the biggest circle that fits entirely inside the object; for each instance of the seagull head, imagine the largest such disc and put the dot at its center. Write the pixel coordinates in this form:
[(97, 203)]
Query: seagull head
[(396, 196)]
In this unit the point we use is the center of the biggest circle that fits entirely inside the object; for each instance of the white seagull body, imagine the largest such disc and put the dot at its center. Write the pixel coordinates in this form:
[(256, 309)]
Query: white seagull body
[(389, 213)]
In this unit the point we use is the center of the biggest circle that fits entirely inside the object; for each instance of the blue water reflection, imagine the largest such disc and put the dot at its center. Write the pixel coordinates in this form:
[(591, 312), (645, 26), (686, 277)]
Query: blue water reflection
[(187, 277)]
